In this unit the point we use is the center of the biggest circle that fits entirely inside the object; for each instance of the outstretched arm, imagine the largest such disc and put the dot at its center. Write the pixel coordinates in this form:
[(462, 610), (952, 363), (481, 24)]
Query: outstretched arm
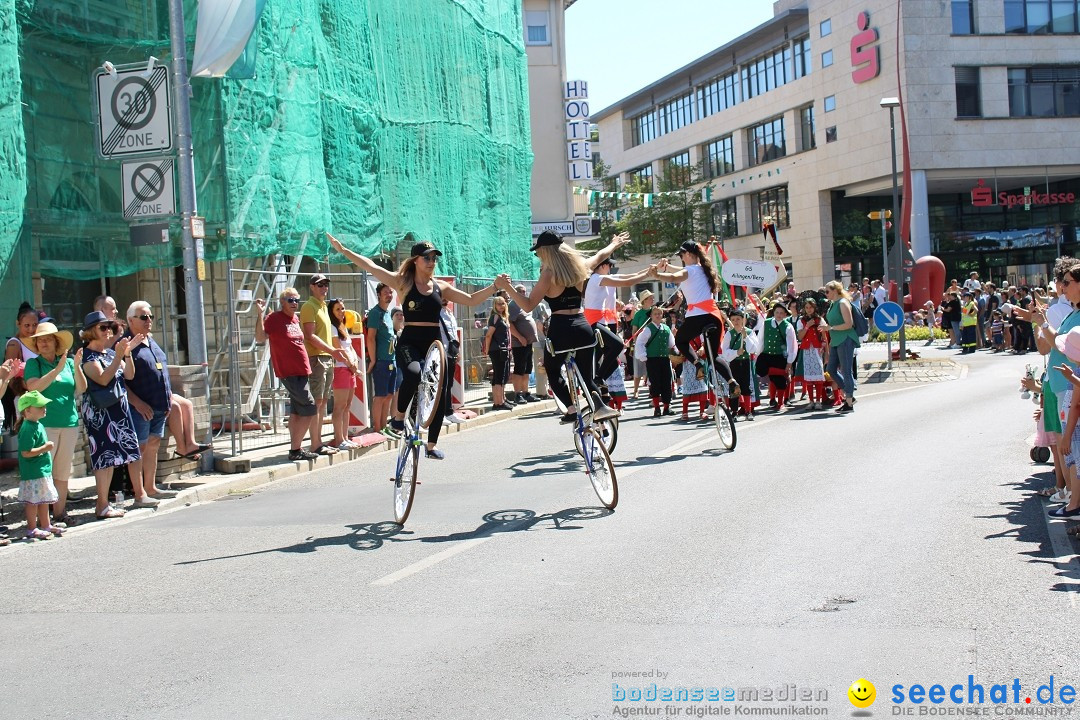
[(455, 295), (365, 263), (668, 272), (625, 280), (603, 254), (534, 298)]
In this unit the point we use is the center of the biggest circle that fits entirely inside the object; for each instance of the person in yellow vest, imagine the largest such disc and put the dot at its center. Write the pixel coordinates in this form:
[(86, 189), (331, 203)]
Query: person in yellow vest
[(969, 318), (778, 354)]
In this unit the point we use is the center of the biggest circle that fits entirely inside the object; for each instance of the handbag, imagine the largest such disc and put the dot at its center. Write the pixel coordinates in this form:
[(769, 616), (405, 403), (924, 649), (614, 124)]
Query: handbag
[(104, 396)]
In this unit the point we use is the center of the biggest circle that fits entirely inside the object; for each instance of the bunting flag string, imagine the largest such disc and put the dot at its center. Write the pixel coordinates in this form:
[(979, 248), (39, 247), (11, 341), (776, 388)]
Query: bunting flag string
[(649, 199)]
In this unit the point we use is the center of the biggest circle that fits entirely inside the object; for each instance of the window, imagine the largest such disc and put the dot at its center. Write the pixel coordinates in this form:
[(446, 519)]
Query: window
[(968, 101), (723, 221), (1039, 17), (963, 17), (825, 28), (536, 28), (806, 128), (1044, 91), (676, 113), (643, 128), (830, 134), (801, 48), (826, 58), (717, 95), (641, 175), (765, 142), (830, 103), (677, 169), (771, 203), (719, 157)]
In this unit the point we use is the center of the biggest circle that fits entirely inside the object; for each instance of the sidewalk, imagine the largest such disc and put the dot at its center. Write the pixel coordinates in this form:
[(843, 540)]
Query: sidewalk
[(264, 465)]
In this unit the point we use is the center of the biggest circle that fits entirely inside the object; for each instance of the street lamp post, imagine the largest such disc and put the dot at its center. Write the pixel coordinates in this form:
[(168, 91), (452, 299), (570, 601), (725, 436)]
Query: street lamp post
[(892, 103)]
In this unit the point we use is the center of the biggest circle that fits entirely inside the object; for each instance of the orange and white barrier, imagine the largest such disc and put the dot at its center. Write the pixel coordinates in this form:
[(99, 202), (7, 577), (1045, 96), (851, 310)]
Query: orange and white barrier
[(359, 419)]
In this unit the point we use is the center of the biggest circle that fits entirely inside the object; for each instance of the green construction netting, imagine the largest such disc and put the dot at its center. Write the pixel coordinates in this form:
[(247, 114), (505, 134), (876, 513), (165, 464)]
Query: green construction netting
[(367, 118)]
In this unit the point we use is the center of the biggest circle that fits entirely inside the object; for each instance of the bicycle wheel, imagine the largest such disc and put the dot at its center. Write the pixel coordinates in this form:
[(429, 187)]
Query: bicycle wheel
[(600, 469), (609, 435), (429, 392), (405, 479), (722, 417)]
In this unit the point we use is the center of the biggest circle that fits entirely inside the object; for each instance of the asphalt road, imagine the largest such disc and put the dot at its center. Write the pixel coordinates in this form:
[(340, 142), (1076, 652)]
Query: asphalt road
[(901, 544)]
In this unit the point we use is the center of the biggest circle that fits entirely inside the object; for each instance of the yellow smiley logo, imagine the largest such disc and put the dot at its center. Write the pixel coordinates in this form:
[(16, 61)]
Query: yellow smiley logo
[(862, 693), (412, 304)]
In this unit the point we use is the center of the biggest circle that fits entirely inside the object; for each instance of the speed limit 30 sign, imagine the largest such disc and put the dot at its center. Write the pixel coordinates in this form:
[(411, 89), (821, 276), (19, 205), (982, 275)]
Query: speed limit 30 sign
[(133, 112)]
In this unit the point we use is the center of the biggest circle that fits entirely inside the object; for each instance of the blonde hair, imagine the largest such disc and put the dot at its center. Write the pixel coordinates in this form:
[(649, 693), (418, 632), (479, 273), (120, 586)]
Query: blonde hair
[(505, 314), (566, 264), (406, 273), (286, 291), (839, 288)]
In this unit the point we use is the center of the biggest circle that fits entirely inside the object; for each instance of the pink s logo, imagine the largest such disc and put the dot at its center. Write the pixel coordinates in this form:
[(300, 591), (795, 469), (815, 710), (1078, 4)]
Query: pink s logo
[(865, 56)]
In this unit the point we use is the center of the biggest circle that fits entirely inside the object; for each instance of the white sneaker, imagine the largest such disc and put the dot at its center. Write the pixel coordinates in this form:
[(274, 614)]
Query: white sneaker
[(455, 419), (1061, 496)]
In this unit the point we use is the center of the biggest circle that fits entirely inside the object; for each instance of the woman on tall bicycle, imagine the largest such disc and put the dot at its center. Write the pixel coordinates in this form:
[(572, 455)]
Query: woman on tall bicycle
[(563, 274), (698, 283), (421, 296)]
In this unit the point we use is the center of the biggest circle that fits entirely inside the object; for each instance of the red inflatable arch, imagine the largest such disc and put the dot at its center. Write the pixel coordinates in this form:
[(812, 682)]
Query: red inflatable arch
[(927, 283)]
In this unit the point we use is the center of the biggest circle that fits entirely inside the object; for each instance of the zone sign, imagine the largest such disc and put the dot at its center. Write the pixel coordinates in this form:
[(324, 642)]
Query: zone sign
[(133, 112)]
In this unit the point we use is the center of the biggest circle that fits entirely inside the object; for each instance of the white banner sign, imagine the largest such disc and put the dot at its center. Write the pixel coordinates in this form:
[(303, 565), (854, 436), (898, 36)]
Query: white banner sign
[(749, 273), (565, 227)]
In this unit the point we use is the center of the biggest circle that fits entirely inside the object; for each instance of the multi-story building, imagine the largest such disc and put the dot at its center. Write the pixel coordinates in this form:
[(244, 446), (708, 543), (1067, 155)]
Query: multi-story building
[(788, 122)]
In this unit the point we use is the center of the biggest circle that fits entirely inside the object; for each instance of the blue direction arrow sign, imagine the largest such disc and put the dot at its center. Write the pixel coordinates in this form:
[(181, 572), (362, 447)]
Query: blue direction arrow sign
[(888, 317)]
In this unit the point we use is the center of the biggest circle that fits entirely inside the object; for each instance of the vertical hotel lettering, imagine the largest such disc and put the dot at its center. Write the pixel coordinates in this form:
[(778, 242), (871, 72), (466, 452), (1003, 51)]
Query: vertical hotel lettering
[(865, 54), (578, 145)]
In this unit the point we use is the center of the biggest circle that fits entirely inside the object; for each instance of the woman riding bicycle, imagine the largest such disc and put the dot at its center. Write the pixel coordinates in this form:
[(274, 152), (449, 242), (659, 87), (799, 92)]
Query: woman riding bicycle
[(421, 296), (563, 274), (698, 283)]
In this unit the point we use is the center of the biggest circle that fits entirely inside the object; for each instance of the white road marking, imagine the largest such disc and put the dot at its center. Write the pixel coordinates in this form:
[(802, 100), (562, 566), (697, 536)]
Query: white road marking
[(430, 561)]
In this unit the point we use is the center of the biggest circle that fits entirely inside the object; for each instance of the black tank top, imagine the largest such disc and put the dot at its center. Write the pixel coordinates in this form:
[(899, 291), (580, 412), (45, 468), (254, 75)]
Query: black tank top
[(423, 308), (569, 299)]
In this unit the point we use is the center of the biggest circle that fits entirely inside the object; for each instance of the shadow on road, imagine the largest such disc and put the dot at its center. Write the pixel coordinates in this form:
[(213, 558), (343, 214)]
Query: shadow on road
[(372, 536)]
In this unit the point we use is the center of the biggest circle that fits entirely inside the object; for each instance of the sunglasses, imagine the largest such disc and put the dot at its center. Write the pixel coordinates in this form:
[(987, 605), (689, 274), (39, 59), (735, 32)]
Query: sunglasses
[(431, 258), (145, 318), (292, 300), (112, 327), (323, 283)]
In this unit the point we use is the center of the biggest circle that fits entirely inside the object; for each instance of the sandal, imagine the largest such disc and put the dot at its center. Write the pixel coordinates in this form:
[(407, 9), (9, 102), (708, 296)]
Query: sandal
[(67, 520), (111, 512), (37, 534), (54, 530), (1074, 530), (1047, 491), (189, 456)]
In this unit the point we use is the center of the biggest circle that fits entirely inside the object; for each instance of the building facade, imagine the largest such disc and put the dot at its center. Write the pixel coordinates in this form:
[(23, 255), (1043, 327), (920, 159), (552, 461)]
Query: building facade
[(787, 122)]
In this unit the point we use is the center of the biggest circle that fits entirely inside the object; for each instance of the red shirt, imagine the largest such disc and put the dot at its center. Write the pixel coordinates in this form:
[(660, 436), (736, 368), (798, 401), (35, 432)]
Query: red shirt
[(287, 350)]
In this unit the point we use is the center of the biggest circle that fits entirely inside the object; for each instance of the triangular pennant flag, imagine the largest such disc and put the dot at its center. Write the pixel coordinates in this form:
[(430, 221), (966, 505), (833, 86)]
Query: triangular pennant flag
[(719, 257), (648, 200), (706, 193), (592, 196)]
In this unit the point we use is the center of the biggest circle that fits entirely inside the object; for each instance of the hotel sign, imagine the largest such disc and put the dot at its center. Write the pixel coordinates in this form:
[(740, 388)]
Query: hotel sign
[(982, 196)]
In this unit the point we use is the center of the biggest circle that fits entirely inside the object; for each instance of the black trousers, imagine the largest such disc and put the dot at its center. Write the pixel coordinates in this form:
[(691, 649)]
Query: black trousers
[(412, 346), (564, 332), (607, 352), (659, 371), (709, 325)]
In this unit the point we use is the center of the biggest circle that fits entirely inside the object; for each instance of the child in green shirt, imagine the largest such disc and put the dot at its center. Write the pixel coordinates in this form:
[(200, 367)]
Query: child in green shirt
[(36, 487)]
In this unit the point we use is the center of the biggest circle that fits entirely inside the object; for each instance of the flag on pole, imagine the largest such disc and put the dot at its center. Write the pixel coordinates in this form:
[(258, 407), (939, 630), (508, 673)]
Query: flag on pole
[(719, 257), (768, 229)]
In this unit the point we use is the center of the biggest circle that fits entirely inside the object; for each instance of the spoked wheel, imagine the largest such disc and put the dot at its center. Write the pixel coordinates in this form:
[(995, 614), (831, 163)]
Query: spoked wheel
[(405, 481), (609, 435), (725, 425), (600, 469), (429, 393)]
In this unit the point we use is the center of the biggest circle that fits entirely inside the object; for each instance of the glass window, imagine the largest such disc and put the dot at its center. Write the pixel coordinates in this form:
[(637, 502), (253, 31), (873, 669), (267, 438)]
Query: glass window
[(801, 48), (677, 169), (643, 128), (723, 220), (719, 157), (676, 113), (963, 17), (771, 203), (830, 134), (826, 59), (536, 28), (643, 175), (825, 28), (968, 99), (1044, 91), (776, 69), (1039, 17), (806, 128), (765, 142), (1064, 14), (1014, 16), (830, 103), (717, 95)]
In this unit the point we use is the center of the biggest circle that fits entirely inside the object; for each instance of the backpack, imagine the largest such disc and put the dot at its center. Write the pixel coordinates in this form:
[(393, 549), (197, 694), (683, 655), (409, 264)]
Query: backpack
[(858, 321)]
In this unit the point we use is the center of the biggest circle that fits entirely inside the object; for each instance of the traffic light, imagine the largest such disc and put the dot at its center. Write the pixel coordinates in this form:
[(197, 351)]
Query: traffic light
[(879, 214)]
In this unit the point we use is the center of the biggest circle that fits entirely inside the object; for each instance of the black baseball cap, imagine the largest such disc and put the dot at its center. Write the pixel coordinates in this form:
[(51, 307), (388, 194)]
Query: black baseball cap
[(547, 238), (689, 246), (423, 248)]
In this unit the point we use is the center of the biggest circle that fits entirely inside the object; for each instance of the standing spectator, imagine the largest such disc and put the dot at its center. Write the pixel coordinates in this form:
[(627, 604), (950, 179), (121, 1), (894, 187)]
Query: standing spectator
[(453, 351), (646, 300), (654, 345), (36, 489), (972, 284), (856, 295), (291, 365), (318, 339), (497, 347), (20, 348), (1023, 335), (842, 344), (345, 372), (881, 294), (385, 376), (109, 430), (181, 419), (950, 318), (149, 392), (522, 337), (52, 373), (968, 323)]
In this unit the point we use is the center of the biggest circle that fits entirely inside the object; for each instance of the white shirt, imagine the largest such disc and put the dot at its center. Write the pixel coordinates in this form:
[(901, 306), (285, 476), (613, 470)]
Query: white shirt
[(881, 295), (640, 351), (598, 297), (792, 344), (755, 340), (695, 289)]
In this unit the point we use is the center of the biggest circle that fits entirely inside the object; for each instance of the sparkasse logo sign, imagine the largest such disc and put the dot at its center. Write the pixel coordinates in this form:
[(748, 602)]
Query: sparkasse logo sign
[(982, 196)]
